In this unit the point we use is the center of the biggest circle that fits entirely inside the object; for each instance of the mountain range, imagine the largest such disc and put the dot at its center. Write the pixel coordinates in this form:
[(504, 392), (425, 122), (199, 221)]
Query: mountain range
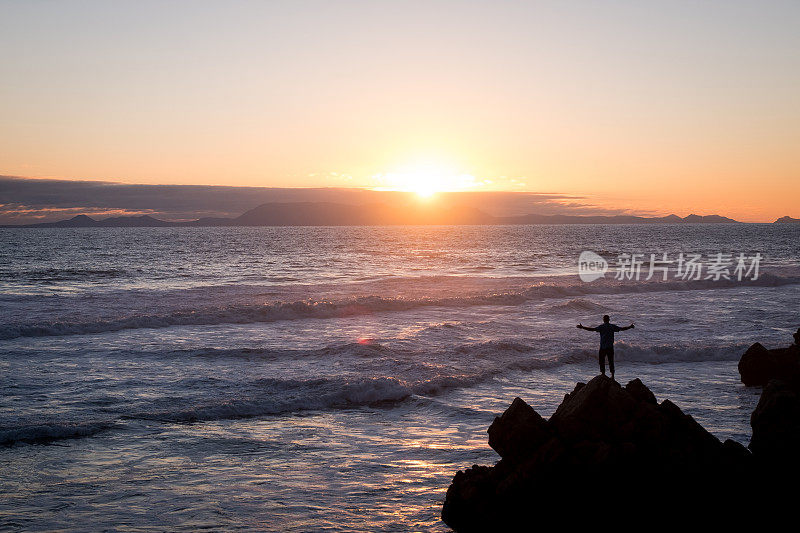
[(336, 214)]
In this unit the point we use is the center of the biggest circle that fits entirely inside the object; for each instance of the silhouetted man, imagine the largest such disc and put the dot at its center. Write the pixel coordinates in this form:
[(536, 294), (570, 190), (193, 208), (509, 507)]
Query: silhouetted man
[(606, 330)]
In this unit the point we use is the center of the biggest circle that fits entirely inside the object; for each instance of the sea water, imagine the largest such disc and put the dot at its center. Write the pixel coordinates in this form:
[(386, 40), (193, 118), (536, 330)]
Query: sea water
[(335, 378)]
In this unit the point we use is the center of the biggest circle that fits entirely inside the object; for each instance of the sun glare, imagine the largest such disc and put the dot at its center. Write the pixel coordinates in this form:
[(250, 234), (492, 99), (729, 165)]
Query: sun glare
[(425, 180)]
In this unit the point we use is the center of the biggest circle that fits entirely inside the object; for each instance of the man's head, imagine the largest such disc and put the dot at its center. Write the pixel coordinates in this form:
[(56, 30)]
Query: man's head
[(606, 319)]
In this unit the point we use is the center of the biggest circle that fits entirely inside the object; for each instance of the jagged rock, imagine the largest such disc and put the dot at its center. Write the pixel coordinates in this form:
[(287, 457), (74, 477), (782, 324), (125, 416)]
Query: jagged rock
[(776, 426), (776, 418), (596, 411), (758, 365), (640, 392), (604, 442), (518, 429)]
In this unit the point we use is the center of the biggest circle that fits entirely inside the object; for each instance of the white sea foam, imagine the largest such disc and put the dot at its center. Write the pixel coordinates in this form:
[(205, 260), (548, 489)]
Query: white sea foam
[(364, 305)]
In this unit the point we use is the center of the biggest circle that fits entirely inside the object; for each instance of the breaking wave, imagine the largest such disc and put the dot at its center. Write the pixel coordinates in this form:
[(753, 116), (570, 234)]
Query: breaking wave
[(48, 432), (326, 309), (421, 374)]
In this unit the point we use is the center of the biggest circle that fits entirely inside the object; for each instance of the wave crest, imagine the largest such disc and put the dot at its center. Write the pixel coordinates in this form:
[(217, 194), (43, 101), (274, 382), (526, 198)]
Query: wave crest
[(327, 309)]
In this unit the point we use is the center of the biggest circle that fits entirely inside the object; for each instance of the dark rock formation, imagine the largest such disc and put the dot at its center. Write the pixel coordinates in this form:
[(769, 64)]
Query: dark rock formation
[(605, 442), (607, 445), (776, 426), (759, 365), (514, 432), (776, 419)]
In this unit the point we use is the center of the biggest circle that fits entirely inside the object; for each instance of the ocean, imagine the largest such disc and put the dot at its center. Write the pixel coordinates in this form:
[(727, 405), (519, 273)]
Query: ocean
[(336, 378)]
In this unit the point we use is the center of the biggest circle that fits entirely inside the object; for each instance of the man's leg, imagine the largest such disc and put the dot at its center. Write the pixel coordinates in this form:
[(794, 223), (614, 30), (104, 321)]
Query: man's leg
[(611, 361), (601, 355)]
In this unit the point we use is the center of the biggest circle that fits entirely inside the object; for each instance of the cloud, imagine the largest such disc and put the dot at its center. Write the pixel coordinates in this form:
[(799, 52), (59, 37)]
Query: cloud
[(26, 200)]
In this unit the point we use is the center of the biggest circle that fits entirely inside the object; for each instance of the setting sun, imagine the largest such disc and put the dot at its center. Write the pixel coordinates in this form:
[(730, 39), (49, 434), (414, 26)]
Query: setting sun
[(425, 180)]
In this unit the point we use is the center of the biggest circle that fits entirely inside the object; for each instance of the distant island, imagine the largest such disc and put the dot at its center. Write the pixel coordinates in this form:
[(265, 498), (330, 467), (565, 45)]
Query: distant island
[(787, 220), (335, 214)]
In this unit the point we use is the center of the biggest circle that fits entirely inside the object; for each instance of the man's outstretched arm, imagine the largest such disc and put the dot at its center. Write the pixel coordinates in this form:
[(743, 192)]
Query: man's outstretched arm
[(581, 326), (627, 327)]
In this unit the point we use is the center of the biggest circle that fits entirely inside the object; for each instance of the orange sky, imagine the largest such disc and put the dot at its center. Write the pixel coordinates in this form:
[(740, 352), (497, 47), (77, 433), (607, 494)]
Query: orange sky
[(655, 108)]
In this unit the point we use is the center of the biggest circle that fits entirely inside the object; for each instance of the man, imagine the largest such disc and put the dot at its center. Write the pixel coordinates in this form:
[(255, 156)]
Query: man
[(606, 330)]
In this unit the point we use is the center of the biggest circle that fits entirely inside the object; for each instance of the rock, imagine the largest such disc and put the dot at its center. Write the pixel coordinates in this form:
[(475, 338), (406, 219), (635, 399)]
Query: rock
[(518, 429), (758, 365), (604, 442), (596, 411), (736, 449), (776, 418), (640, 392), (469, 495), (776, 426)]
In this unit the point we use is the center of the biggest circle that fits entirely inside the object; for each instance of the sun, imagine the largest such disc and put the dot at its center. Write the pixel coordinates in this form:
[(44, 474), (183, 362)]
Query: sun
[(425, 192), (424, 182), (424, 179)]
